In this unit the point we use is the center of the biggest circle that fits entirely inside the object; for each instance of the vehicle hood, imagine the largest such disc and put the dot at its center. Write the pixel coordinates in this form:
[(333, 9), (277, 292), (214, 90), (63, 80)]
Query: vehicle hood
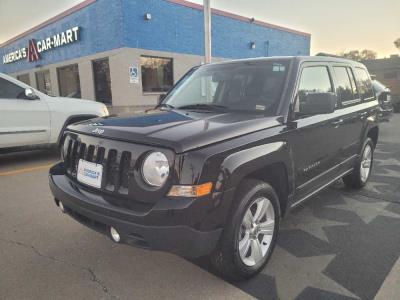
[(176, 129), (76, 100)]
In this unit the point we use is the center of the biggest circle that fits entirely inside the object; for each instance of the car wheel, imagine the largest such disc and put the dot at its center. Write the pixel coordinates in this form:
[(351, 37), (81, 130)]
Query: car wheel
[(250, 234), (361, 173)]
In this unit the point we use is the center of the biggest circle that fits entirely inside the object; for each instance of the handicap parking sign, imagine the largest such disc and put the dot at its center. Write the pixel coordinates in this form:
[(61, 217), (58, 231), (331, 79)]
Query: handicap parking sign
[(133, 74)]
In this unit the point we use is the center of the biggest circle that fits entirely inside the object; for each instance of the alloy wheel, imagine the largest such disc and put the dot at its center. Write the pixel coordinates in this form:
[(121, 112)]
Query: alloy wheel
[(256, 231), (366, 163)]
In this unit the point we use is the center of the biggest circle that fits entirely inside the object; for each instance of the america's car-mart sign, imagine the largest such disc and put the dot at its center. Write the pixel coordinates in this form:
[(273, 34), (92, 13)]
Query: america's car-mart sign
[(32, 52)]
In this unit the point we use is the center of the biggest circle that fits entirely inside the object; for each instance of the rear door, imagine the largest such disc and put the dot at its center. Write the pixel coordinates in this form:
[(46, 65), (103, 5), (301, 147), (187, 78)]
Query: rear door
[(349, 108), (316, 139), (23, 122)]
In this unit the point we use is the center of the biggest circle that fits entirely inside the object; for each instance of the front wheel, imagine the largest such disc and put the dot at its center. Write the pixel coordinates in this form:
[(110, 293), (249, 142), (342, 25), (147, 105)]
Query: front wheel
[(250, 233), (359, 177)]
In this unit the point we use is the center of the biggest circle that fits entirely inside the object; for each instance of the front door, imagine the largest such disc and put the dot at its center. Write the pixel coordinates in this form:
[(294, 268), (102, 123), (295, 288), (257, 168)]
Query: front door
[(316, 138), (23, 122)]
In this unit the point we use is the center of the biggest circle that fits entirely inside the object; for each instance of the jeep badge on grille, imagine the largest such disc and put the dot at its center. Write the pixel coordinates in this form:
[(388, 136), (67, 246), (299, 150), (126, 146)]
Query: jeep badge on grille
[(98, 131)]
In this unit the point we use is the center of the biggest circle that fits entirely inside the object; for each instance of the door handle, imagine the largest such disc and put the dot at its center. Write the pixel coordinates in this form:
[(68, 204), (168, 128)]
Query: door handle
[(337, 122)]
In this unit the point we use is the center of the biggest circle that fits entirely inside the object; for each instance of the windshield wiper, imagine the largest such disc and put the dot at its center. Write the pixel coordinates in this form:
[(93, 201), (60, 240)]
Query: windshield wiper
[(203, 106)]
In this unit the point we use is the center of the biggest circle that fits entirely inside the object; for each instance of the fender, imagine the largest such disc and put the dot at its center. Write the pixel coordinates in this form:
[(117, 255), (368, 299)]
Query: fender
[(240, 164), (69, 121), (371, 122)]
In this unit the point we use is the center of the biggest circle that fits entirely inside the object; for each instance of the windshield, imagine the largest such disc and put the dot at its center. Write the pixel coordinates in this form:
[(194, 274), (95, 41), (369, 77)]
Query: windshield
[(245, 86)]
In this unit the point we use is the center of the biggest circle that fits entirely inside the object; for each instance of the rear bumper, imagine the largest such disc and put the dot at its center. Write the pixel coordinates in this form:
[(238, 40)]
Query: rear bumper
[(95, 212)]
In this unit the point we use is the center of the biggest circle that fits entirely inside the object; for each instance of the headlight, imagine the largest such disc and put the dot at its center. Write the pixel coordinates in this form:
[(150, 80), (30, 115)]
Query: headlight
[(155, 169), (104, 111)]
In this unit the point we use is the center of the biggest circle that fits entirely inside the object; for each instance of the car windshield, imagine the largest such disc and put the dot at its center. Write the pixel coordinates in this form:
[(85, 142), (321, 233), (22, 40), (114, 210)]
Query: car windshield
[(251, 86)]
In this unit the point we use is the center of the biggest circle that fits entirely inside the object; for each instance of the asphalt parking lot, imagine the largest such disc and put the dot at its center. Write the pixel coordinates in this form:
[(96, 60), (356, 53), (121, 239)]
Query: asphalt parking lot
[(341, 244)]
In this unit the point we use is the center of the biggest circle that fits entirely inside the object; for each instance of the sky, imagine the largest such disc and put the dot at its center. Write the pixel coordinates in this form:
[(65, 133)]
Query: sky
[(335, 26)]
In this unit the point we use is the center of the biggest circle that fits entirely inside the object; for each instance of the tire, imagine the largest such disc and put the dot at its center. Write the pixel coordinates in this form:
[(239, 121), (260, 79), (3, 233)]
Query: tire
[(357, 179), (226, 258)]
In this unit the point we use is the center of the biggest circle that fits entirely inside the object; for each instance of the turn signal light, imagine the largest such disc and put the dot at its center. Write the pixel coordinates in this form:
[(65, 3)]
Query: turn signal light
[(190, 190)]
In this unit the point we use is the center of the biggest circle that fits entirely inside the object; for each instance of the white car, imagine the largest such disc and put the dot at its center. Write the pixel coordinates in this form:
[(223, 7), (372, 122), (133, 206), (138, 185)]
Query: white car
[(30, 118)]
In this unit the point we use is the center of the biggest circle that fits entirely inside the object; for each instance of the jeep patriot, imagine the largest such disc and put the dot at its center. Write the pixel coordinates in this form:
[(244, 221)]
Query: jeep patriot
[(215, 166)]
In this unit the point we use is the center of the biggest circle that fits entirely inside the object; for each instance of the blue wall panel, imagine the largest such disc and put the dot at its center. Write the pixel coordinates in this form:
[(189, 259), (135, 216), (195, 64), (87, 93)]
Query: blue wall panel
[(107, 25), (179, 29)]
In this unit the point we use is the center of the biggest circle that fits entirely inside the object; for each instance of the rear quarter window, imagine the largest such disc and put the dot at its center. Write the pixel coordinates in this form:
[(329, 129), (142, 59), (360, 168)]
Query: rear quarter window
[(346, 86), (364, 84)]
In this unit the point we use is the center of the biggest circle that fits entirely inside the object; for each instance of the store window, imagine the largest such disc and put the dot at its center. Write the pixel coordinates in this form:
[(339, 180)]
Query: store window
[(102, 80), (43, 82), (24, 78), (68, 81), (157, 74)]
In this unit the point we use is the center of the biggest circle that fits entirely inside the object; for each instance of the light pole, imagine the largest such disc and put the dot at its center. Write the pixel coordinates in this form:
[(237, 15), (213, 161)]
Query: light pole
[(207, 31)]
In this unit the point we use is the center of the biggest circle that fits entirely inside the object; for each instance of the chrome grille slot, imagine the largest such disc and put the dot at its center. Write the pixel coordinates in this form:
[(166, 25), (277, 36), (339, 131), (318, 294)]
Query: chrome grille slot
[(111, 170), (125, 167), (74, 156), (100, 155), (90, 153)]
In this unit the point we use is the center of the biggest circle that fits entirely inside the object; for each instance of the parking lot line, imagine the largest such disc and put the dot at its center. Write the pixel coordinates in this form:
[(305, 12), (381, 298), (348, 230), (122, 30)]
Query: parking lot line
[(26, 170)]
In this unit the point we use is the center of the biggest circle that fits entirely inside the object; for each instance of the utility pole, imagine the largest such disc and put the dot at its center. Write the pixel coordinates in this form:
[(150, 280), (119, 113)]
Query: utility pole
[(207, 31)]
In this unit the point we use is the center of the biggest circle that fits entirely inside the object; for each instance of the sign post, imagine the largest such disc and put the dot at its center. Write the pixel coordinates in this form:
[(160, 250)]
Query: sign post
[(207, 31)]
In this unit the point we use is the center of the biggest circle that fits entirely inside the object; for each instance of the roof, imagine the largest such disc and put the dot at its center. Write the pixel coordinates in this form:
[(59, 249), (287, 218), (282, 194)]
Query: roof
[(299, 59), (178, 2)]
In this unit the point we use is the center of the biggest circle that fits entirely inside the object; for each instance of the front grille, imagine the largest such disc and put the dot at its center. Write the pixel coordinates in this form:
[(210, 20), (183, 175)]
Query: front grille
[(117, 165)]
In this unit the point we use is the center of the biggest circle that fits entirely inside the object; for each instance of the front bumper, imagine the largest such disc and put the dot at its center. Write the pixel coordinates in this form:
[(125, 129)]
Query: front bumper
[(136, 228)]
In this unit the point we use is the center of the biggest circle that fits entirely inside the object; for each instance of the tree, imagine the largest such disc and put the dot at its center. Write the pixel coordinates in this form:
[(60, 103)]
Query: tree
[(360, 55), (368, 54), (353, 55), (397, 43)]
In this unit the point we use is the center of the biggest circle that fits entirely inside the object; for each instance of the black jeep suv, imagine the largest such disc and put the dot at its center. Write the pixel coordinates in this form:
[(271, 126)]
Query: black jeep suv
[(213, 169)]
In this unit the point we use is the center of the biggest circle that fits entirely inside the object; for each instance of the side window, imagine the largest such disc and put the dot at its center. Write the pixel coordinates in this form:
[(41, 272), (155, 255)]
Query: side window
[(346, 89), (353, 83), (9, 90), (364, 84), (314, 80)]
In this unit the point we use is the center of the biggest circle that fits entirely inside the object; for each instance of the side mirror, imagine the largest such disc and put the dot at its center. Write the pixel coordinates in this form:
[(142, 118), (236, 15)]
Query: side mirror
[(30, 94), (319, 103)]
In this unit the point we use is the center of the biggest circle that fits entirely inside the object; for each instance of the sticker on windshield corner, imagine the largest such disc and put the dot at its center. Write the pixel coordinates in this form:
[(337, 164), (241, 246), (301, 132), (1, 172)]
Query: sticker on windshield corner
[(278, 68), (260, 107)]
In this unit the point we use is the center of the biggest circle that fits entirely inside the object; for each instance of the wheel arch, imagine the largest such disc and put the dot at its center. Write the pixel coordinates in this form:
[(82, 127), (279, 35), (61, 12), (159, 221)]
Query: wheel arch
[(373, 133), (271, 163)]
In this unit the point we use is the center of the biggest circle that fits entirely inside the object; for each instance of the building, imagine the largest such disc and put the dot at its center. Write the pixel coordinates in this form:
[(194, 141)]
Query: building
[(387, 71), (126, 52)]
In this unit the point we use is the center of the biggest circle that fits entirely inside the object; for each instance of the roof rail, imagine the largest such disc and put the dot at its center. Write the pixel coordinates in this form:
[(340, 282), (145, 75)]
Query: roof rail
[(329, 55)]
